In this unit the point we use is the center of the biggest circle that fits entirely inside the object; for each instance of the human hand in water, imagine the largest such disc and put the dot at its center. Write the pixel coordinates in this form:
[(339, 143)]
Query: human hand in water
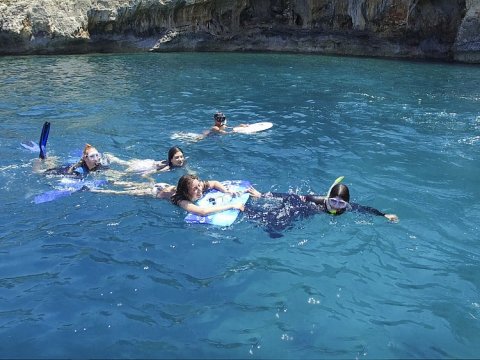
[(392, 217), (252, 191), (232, 193), (240, 207)]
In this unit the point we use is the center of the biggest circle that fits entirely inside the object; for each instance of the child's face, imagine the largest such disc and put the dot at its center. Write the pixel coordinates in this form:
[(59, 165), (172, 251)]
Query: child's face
[(178, 159), (92, 158), (220, 121), (195, 190)]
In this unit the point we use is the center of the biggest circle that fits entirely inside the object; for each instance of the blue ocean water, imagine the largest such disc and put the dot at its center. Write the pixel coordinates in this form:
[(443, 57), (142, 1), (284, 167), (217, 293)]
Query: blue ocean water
[(111, 276)]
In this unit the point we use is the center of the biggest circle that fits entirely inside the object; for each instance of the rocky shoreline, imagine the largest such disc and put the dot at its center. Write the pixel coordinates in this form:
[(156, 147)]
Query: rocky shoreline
[(446, 30)]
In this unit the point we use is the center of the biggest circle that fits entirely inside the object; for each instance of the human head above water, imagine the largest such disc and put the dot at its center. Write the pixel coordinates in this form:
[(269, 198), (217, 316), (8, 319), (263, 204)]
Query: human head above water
[(337, 199), (219, 117), (188, 188), (176, 158), (341, 191), (91, 156), (88, 148)]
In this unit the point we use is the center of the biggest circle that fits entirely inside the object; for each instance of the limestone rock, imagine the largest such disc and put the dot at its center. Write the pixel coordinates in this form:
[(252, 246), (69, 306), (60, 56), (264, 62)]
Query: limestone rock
[(431, 29), (467, 43)]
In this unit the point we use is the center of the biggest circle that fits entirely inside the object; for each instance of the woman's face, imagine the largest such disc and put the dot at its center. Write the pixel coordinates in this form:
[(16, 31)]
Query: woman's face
[(195, 190), (178, 159), (92, 158)]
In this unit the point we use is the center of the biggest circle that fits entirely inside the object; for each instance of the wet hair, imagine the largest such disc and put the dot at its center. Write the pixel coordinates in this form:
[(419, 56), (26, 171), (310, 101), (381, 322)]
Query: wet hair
[(81, 162), (183, 185), (171, 153), (219, 116), (341, 191), (87, 148)]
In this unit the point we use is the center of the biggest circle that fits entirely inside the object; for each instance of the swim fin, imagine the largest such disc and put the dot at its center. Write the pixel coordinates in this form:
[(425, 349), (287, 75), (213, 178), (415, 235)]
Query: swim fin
[(43, 140), (31, 145)]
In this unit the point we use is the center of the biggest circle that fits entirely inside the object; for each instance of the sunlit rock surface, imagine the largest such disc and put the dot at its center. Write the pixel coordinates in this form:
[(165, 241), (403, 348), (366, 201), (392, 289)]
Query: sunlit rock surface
[(423, 29)]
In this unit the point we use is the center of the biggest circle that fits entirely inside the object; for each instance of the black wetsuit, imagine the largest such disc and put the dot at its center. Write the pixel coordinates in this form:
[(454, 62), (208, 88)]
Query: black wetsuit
[(278, 211), (79, 171)]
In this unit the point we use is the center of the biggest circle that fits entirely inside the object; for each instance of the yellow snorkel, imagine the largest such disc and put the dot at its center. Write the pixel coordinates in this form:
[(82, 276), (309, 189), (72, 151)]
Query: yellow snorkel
[(337, 181)]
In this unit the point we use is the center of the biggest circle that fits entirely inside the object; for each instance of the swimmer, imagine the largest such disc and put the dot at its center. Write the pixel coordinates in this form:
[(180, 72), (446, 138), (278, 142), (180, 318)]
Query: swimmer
[(219, 123), (190, 189), (156, 190), (279, 210), (337, 201), (91, 161), (175, 158), (219, 126)]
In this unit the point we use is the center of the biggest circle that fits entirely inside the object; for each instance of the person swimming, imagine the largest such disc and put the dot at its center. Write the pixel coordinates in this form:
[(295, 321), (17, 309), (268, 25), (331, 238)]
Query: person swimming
[(175, 159), (91, 161), (190, 189), (219, 126), (220, 123), (278, 211), (275, 211)]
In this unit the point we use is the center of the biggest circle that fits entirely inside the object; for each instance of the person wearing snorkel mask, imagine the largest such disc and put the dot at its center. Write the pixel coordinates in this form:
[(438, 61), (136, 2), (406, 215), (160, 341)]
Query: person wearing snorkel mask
[(279, 210), (91, 161), (337, 201), (220, 123), (219, 126)]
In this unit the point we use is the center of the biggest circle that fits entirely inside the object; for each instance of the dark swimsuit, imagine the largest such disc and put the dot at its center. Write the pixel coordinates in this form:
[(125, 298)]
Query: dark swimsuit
[(278, 211), (80, 171)]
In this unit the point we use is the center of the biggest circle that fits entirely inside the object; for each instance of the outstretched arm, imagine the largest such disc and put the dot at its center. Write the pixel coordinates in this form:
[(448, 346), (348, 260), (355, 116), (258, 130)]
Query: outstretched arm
[(217, 185), (254, 192), (136, 192), (392, 217), (115, 160), (213, 184), (158, 190), (373, 211), (198, 210)]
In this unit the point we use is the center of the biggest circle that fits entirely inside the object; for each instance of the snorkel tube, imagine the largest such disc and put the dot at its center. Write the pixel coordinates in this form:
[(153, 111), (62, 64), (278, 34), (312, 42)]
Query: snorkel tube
[(329, 208), (337, 181)]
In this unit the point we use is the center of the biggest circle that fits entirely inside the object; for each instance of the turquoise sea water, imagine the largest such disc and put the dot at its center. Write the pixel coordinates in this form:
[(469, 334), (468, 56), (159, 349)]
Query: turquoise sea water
[(95, 275)]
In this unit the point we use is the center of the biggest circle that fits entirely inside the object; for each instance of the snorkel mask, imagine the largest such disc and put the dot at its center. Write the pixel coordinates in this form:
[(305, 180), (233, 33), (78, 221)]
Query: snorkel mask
[(336, 205), (219, 117)]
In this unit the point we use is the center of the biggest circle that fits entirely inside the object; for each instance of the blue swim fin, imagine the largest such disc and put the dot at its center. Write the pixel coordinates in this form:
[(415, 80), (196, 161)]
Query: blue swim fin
[(30, 145), (43, 140), (72, 186)]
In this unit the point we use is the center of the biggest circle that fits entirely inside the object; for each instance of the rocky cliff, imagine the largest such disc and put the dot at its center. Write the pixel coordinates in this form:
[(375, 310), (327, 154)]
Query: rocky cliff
[(430, 29)]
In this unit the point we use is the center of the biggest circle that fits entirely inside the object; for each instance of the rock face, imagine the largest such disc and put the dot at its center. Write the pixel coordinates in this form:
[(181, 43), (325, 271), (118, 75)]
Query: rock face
[(467, 43), (430, 29)]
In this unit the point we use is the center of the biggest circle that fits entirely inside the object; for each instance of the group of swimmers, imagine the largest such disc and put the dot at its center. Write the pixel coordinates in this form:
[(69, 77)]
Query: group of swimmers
[(276, 211)]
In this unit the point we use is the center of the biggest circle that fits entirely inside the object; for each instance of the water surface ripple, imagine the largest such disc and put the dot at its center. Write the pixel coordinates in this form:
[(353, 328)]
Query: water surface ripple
[(105, 276)]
